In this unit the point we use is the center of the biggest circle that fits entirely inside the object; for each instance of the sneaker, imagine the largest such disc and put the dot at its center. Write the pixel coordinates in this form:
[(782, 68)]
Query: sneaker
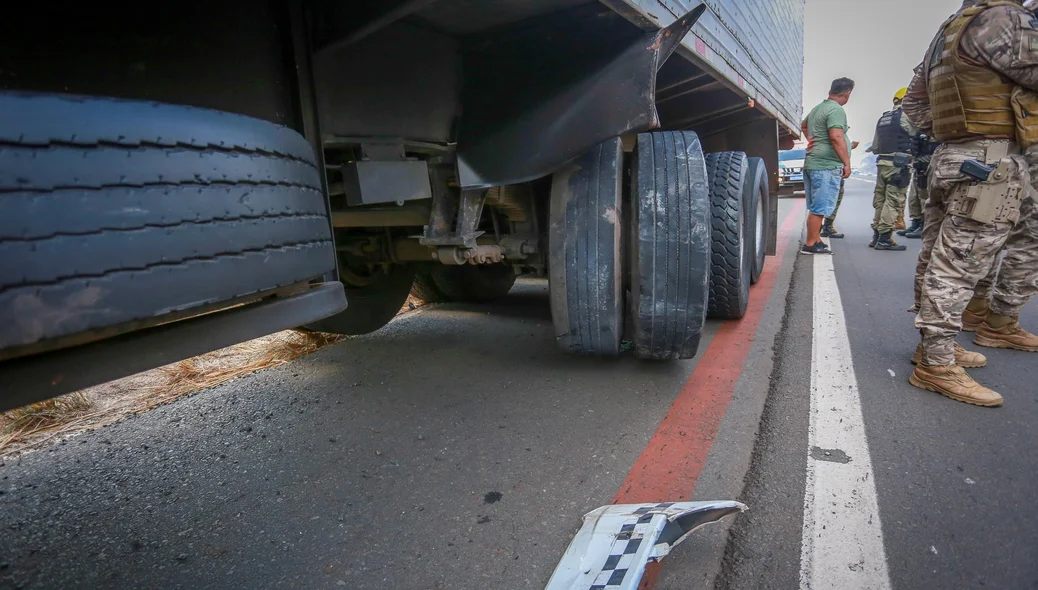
[(817, 248)]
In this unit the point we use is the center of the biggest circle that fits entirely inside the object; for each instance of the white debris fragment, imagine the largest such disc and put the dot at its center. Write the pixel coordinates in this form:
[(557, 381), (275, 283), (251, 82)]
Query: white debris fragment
[(933, 549), (891, 371), (970, 481)]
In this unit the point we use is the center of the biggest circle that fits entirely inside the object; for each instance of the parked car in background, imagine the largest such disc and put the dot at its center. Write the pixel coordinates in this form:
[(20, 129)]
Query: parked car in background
[(791, 171)]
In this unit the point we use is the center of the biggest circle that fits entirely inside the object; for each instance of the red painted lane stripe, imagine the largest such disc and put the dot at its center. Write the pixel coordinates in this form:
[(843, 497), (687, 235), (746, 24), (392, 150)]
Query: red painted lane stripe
[(668, 468)]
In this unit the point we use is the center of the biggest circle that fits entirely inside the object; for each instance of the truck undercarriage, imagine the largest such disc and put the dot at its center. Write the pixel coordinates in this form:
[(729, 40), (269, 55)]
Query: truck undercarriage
[(457, 146)]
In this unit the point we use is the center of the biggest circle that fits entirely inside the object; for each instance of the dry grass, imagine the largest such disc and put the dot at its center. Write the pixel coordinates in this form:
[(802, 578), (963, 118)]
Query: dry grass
[(203, 372), (34, 426)]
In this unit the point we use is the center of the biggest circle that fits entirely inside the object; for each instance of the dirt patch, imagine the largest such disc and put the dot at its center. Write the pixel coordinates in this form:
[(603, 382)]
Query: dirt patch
[(38, 425)]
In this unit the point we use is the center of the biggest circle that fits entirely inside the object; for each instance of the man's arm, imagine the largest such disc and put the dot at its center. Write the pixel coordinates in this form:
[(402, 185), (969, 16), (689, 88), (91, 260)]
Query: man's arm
[(917, 103), (875, 142), (839, 141)]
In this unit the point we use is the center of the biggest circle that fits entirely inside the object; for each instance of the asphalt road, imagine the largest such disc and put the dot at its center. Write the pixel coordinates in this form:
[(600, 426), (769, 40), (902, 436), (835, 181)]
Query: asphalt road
[(954, 483), (456, 448)]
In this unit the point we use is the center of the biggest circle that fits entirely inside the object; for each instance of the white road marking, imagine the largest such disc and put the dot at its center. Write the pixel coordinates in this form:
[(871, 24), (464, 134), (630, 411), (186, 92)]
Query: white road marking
[(842, 543)]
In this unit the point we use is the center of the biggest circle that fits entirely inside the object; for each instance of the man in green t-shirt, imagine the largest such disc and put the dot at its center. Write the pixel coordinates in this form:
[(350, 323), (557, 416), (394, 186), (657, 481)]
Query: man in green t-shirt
[(828, 161)]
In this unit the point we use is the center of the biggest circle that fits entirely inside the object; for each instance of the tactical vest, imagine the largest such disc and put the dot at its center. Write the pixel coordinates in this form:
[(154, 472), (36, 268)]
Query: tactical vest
[(892, 136), (973, 102)]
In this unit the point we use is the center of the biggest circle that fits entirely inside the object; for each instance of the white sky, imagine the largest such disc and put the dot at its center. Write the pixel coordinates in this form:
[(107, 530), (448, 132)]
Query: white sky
[(876, 43)]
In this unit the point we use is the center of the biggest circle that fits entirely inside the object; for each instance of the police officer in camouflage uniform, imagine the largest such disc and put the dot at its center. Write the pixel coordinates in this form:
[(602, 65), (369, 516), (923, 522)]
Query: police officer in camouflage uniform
[(973, 90), (895, 146)]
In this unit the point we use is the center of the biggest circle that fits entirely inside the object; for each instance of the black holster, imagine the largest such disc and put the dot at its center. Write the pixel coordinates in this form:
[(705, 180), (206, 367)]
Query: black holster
[(903, 178)]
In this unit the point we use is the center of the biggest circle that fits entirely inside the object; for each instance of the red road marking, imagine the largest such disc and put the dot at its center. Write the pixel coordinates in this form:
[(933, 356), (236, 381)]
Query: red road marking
[(668, 468)]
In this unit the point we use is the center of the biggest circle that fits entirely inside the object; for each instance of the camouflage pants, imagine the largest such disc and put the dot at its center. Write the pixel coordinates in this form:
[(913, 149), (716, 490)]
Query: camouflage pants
[(987, 284), (889, 198), (916, 197), (957, 252), (1017, 271), (839, 201)]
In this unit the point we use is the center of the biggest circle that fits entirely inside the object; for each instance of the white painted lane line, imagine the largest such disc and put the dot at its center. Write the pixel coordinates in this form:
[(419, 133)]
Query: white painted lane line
[(842, 544)]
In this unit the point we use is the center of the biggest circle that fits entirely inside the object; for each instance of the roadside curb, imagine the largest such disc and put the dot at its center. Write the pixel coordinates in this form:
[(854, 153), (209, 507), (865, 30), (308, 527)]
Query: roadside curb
[(698, 562)]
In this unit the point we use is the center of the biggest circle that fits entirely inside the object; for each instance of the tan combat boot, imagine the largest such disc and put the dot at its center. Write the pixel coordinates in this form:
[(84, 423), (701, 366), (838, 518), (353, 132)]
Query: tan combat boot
[(976, 312), (953, 381), (964, 358), (1002, 331)]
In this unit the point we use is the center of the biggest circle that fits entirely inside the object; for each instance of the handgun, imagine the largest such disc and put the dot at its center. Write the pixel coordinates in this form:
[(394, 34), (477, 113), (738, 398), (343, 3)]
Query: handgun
[(974, 169)]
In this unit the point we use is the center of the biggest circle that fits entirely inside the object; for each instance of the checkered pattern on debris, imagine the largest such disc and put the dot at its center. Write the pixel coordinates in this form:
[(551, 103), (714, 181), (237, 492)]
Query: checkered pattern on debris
[(626, 544)]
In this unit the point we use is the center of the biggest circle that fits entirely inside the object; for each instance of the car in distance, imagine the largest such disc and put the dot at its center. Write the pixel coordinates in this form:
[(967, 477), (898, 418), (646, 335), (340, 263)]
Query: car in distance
[(791, 171)]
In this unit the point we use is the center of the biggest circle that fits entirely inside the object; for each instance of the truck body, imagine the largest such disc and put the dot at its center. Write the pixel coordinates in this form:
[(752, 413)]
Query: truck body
[(436, 133)]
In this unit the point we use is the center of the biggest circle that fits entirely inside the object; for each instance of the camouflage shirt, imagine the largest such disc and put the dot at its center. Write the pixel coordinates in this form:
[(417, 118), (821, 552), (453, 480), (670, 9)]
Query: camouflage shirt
[(1004, 38)]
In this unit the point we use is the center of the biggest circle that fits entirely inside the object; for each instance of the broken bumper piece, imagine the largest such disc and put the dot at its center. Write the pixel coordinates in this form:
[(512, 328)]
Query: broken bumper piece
[(615, 543)]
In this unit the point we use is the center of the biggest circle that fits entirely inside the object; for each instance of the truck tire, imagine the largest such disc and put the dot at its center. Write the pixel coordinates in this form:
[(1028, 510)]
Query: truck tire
[(730, 252), (374, 300), (425, 288), (755, 201), (116, 214), (585, 271), (670, 247), (474, 283)]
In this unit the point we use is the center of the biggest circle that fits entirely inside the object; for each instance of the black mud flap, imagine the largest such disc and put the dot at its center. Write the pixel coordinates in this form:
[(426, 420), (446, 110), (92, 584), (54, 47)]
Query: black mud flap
[(546, 91)]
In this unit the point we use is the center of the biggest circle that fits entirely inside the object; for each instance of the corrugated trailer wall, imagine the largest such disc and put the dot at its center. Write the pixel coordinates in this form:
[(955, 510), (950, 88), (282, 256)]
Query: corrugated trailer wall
[(764, 40), (754, 47)]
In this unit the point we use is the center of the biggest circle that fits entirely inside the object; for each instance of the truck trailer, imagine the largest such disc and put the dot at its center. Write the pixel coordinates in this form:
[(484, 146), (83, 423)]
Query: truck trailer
[(180, 177)]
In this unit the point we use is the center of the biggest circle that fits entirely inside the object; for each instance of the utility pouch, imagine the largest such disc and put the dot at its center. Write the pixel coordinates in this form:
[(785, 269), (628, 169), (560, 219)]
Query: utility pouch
[(990, 201), (901, 160)]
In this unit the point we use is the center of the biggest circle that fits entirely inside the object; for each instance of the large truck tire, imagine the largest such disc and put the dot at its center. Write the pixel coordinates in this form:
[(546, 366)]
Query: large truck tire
[(670, 258), (374, 300), (116, 214), (471, 283), (730, 257), (755, 201), (585, 268)]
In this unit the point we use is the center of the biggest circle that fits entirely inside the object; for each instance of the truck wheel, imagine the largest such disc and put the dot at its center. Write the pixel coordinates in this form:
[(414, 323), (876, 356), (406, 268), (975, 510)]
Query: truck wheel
[(374, 297), (116, 214), (473, 284), (755, 200), (425, 288), (670, 258), (584, 266), (730, 257)]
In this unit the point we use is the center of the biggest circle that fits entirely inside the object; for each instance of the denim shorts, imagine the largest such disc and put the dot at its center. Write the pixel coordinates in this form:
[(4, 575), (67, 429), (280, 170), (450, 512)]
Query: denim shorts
[(822, 188)]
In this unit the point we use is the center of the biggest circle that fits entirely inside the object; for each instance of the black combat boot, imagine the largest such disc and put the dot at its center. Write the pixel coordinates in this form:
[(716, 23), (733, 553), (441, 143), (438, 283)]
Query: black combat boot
[(875, 238), (885, 242), (914, 231), (828, 231)]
